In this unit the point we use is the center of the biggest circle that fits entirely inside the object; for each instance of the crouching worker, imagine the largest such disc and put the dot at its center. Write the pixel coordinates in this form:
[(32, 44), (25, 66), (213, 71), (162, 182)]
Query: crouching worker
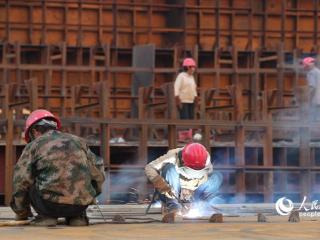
[(185, 175), (57, 174)]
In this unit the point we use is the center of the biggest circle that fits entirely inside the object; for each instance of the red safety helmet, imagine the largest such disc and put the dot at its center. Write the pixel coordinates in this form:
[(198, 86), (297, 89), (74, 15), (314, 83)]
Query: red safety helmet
[(194, 155), (189, 62), (308, 61), (35, 117)]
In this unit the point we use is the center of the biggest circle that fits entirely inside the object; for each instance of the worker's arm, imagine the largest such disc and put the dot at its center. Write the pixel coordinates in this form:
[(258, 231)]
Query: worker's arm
[(177, 89), (178, 85), (312, 78), (22, 181), (152, 169), (195, 93), (96, 171)]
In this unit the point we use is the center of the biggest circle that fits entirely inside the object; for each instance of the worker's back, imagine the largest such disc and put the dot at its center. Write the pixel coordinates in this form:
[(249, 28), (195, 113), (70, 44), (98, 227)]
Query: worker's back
[(61, 166)]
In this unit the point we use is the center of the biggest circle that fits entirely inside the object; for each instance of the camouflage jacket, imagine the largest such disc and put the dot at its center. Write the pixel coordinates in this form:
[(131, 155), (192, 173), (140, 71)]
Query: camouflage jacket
[(62, 169)]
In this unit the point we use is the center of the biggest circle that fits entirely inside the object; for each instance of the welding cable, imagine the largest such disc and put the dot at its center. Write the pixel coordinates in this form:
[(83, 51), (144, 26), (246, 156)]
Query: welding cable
[(137, 220), (99, 210)]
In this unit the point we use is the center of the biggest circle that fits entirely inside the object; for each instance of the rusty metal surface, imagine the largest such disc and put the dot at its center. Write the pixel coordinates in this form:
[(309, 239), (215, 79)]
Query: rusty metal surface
[(244, 227), (232, 228), (244, 24)]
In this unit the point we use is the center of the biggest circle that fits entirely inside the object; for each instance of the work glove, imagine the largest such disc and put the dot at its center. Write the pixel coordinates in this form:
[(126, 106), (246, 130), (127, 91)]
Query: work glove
[(161, 185), (186, 195)]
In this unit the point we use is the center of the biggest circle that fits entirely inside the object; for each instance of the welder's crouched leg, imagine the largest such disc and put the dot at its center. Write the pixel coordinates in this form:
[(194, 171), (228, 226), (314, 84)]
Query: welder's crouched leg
[(170, 174), (24, 214), (206, 195), (49, 212)]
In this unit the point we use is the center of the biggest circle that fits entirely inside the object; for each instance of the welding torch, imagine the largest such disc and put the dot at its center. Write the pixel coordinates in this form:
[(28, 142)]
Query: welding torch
[(171, 193)]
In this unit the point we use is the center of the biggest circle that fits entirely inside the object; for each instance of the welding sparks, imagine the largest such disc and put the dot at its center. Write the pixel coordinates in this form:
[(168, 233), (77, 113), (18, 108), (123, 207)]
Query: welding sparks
[(193, 213)]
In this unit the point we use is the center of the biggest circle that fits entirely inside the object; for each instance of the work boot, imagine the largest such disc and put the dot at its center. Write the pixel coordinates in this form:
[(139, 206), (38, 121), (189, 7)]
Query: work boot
[(172, 212), (77, 221), (43, 221), (172, 207)]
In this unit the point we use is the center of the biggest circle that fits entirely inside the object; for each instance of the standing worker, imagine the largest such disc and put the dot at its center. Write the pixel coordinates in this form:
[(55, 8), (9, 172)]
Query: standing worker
[(57, 174), (185, 89), (185, 175), (313, 78)]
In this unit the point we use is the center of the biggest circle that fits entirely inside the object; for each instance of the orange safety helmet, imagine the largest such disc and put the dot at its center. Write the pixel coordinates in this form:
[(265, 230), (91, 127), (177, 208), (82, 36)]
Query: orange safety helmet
[(194, 155), (35, 117), (189, 62), (308, 61)]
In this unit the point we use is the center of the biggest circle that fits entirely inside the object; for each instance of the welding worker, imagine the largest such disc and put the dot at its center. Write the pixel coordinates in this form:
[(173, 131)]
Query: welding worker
[(313, 79), (56, 174), (185, 175), (185, 89)]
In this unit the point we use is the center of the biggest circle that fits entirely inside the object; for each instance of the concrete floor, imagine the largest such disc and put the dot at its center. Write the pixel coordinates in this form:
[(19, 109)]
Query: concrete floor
[(241, 227)]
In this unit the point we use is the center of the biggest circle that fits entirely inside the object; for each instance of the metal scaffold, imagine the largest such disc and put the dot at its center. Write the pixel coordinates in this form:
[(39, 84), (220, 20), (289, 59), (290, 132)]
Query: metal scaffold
[(107, 69)]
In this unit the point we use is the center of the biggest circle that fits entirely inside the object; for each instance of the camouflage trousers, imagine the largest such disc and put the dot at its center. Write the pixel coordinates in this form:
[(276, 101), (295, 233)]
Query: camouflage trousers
[(50, 209)]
